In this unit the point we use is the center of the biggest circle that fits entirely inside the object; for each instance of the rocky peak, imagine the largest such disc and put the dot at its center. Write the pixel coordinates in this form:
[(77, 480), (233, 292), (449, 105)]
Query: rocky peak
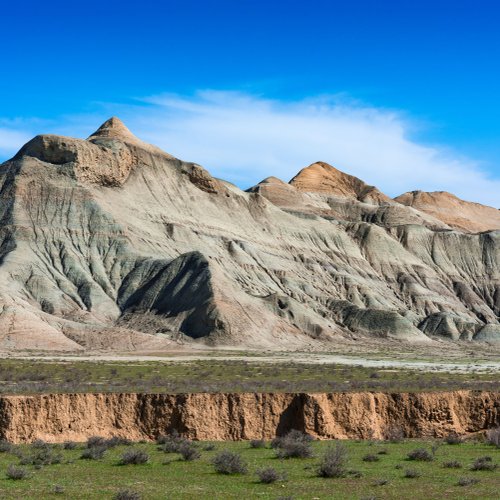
[(320, 177), (114, 128)]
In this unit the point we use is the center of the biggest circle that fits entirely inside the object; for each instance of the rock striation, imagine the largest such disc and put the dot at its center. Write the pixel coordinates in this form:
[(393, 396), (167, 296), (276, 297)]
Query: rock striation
[(110, 243), (225, 417)]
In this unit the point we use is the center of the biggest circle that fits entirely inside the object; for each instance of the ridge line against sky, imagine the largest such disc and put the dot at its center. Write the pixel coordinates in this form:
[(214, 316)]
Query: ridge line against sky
[(403, 94), (244, 138)]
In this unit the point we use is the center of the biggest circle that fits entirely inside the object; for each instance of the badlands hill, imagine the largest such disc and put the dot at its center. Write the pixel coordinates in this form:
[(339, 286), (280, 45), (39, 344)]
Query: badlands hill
[(110, 243)]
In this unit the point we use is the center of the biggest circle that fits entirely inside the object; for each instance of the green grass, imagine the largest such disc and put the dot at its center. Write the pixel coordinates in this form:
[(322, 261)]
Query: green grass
[(26, 376), (177, 479)]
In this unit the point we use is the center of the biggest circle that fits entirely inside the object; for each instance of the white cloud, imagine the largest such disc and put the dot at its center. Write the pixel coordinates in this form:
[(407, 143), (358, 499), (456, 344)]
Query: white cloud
[(11, 140), (244, 138)]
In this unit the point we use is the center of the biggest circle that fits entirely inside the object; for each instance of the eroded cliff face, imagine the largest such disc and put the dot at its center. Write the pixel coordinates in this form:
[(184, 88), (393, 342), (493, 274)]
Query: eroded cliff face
[(111, 243), (60, 417)]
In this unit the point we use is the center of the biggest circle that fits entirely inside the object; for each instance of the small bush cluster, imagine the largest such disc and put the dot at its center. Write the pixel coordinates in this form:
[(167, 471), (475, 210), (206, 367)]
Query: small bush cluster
[(99, 441), (189, 452), (394, 434), (452, 464), (453, 438), (483, 463), (268, 475), (295, 444), (228, 462), (467, 481), (134, 456), (421, 454), (493, 437), (16, 473), (69, 445), (257, 443), (93, 453), (172, 443), (371, 458), (333, 462), (5, 446), (42, 454), (412, 473)]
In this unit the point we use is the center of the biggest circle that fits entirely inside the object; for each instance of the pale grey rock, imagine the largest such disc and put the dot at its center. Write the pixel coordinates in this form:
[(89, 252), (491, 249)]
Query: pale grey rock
[(110, 243)]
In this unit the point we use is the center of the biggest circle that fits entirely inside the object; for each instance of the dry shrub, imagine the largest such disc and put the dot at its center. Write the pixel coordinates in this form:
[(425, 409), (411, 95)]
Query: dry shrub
[(229, 462), (333, 462)]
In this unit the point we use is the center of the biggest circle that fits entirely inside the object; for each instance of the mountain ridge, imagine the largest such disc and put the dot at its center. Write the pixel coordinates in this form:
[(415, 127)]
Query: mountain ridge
[(111, 243)]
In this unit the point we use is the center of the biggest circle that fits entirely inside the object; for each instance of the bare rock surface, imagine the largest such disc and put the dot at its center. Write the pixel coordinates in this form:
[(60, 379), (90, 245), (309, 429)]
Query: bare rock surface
[(459, 214), (225, 417), (109, 243)]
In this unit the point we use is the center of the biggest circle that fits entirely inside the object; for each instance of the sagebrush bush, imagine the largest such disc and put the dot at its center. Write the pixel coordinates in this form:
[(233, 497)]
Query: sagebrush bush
[(453, 438), (452, 464), (117, 441), (371, 458), (394, 434), (40, 444), (229, 462), (268, 475), (93, 453), (189, 452), (99, 441), (134, 456), (295, 444), (467, 481), (171, 443), (16, 473), (69, 445), (412, 473), (5, 446), (42, 456), (94, 441), (483, 463), (421, 454), (493, 437), (127, 495), (257, 443), (209, 447), (333, 462)]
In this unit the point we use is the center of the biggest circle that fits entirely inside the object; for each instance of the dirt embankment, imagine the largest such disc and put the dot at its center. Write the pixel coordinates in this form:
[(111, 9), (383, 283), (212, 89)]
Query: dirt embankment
[(60, 417)]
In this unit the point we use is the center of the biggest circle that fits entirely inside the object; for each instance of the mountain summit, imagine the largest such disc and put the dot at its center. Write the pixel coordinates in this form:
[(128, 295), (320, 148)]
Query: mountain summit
[(112, 244)]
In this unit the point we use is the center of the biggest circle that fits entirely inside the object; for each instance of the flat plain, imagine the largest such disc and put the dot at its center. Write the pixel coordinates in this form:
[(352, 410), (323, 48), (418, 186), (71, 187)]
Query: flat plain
[(168, 476)]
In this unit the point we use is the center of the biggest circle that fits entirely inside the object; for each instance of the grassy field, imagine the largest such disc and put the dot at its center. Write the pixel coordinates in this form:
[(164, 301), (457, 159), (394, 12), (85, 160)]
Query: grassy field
[(25, 377), (167, 476)]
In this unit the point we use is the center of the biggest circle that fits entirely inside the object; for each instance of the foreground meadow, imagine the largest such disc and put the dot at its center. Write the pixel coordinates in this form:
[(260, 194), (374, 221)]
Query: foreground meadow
[(179, 469)]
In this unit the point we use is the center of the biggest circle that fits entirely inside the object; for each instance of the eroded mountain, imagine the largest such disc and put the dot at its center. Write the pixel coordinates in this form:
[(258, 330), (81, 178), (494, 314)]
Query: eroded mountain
[(111, 243)]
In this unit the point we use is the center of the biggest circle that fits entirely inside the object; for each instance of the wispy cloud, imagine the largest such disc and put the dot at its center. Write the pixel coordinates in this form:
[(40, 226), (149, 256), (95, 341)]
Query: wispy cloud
[(244, 138)]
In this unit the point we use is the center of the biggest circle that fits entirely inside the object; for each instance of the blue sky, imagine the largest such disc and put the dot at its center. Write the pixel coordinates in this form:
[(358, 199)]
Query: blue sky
[(401, 93)]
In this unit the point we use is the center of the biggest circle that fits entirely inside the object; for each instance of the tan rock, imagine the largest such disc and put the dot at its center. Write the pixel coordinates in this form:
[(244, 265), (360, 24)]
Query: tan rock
[(225, 417), (456, 213)]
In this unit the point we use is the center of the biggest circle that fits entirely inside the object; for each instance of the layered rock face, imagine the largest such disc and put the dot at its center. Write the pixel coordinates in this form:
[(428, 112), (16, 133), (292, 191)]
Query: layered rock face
[(76, 417), (110, 243)]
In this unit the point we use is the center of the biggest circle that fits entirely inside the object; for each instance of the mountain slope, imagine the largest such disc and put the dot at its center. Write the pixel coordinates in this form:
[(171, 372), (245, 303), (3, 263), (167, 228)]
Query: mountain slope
[(111, 243), (457, 213)]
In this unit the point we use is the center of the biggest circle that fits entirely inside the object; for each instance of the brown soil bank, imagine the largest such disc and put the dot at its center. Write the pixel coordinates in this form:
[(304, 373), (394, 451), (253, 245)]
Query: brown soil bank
[(59, 417)]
